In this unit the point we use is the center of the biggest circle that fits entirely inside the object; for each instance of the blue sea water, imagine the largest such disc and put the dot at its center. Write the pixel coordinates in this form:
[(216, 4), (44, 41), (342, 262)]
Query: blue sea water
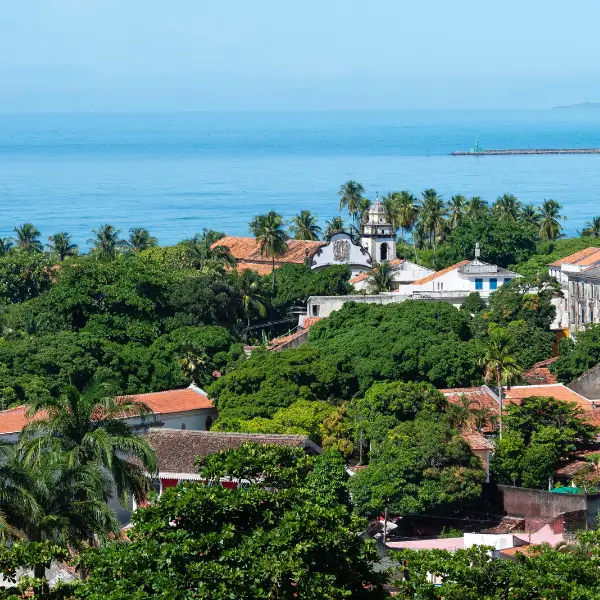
[(177, 173)]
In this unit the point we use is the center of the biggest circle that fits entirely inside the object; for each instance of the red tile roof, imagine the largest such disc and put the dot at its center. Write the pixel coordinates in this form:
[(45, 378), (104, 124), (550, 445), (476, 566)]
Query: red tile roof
[(479, 395), (247, 249), (587, 256), (437, 274), (362, 276), (14, 420), (260, 268), (540, 373), (476, 440), (310, 321), (578, 462)]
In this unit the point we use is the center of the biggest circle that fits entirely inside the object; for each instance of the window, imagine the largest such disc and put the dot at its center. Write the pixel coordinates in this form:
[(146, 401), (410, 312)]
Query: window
[(183, 426), (315, 310), (441, 285), (591, 315), (507, 280), (493, 283), (208, 423), (383, 252), (479, 284)]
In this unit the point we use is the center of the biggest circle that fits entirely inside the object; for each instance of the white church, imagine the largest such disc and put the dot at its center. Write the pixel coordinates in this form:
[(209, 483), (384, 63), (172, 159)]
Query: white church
[(377, 244)]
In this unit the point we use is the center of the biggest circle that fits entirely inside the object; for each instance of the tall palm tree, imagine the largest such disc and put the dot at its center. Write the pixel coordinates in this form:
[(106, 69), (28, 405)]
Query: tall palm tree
[(247, 284), (61, 243), (194, 365), (27, 238), (381, 279), (140, 239), (550, 227), (272, 238), (592, 228), (390, 204), (456, 210), (408, 211), (351, 195), (305, 226), (530, 215), (500, 364), (476, 208), (5, 246), (507, 208), (203, 250), (106, 241), (88, 428), (334, 225), (433, 213)]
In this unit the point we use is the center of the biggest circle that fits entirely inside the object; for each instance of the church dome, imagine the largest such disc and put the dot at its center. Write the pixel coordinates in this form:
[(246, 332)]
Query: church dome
[(377, 212)]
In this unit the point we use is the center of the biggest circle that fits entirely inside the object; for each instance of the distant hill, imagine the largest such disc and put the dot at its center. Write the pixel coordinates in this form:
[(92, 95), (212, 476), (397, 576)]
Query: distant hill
[(581, 105)]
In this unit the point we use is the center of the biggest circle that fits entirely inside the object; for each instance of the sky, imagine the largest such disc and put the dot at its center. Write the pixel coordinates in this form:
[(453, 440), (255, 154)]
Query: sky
[(153, 55)]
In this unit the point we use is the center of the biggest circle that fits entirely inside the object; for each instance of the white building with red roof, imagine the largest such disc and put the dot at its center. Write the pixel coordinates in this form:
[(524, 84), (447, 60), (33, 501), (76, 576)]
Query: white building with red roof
[(187, 408)]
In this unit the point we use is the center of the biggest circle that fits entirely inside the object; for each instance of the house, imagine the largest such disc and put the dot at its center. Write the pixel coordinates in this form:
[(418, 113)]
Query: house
[(481, 447), (403, 273), (588, 384), (540, 373), (177, 450), (565, 271), (246, 251), (456, 282), (583, 299), (187, 408)]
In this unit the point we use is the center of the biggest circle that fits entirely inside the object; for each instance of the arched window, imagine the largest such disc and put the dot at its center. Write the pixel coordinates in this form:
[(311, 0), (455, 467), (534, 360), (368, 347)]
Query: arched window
[(383, 252), (208, 423), (183, 426)]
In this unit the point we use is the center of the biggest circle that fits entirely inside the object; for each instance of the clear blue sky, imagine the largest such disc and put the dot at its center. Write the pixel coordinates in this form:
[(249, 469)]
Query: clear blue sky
[(129, 55)]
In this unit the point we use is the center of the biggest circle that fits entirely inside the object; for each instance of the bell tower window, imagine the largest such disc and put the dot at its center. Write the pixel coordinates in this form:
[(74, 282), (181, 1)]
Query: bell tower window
[(383, 251)]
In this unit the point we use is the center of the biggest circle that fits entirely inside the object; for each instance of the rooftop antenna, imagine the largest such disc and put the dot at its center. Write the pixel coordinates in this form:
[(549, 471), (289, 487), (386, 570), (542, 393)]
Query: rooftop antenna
[(477, 251)]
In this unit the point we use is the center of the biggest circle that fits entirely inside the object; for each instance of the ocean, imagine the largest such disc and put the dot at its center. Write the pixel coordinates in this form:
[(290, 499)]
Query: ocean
[(178, 173)]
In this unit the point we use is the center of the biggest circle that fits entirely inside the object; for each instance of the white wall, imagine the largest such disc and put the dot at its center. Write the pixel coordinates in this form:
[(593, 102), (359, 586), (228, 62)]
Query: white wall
[(194, 420), (357, 258), (499, 542)]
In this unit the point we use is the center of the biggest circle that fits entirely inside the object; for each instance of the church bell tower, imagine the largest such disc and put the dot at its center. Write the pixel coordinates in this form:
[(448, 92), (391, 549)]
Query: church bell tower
[(378, 236)]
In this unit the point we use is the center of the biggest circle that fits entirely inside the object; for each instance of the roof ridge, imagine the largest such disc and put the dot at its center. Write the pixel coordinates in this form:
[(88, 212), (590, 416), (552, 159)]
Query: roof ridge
[(189, 387), (441, 272), (160, 430)]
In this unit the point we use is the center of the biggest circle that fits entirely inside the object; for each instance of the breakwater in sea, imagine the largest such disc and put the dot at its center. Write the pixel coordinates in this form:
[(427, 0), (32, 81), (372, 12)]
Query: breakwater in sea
[(528, 151)]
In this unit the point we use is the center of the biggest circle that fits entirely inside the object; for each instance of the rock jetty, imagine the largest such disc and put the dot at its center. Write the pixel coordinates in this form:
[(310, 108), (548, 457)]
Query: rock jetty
[(532, 151)]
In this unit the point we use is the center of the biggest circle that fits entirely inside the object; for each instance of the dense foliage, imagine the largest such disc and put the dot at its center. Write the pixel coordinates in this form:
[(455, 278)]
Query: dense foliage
[(578, 355)]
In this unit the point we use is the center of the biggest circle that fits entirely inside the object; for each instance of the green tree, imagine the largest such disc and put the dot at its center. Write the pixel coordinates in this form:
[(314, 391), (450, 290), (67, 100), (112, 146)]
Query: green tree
[(507, 208), (271, 237), (194, 367), (334, 225), (530, 215), (106, 241), (87, 428), (476, 208), (550, 217), (248, 287), (6, 245), (381, 279), (61, 244), (351, 197), (140, 239), (592, 228), (203, 251), (507, 460), (27, 238), (432, 214), (456, 210), (297, 539), (500, 365), (578, 355), (421, 466), (23, 276), (305, 226)]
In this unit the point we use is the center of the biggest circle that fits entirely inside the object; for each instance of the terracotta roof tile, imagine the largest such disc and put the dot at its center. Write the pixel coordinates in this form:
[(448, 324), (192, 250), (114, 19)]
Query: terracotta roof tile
[(437, 274), (14, 420), (540, 373), (476, 440), (176, 449), (310, 321), (479, 395), (362, 276), (260, 268), (579, 461), (587, 256), (248, 249)]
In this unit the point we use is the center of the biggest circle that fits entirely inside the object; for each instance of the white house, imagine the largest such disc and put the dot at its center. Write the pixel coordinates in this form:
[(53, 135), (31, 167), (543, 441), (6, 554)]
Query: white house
[(460, 280), (342, 248), (187, 408)]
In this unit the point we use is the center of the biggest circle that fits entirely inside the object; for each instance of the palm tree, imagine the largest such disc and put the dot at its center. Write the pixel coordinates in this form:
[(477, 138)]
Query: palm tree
[(203, 250), (106, 241), (408, 211), (499, 364), (5, 246), (271, 236), (140, 239), (247, 285), (433, 212), (351, 195), (549, 212), (305, 226), (61, 244), (530, 215), (507, 208), (456, 210), (381, 279), (88, 428), (27, 238), (476, 208), (390, 204), (460, 413), (592, 228), (334, 225), (193, 365)]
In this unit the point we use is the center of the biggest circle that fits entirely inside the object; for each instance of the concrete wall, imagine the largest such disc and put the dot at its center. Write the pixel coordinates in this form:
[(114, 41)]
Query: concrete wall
[(588, 385)]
